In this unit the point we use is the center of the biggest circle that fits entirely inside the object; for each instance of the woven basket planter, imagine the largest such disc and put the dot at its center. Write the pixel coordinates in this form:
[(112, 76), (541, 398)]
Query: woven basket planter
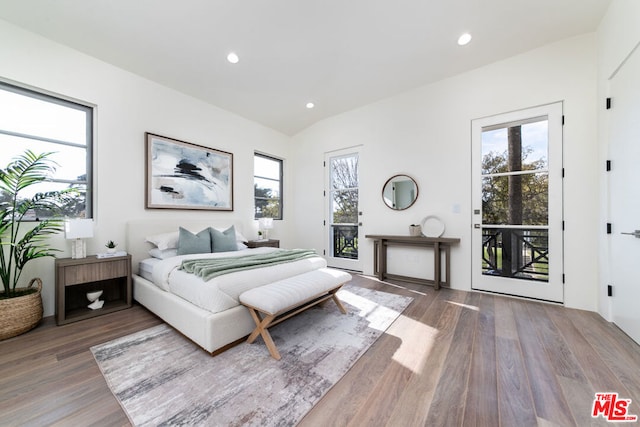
[(21, 314)]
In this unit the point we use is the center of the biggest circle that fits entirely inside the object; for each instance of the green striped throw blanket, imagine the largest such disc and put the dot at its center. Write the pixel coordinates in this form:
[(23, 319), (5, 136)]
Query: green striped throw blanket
[(214, 267)]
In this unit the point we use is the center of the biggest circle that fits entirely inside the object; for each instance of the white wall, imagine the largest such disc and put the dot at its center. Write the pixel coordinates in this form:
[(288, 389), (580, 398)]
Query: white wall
[(618, 34), (127, 107), (425, 133)]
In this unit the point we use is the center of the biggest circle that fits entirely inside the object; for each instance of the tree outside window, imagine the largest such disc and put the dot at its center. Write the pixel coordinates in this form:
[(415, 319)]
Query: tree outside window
[(267, 186)]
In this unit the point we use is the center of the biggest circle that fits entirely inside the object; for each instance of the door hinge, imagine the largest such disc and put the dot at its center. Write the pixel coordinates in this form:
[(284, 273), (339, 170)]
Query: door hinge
[(324, 164), (563, 172), (608, 228), (608, 103), (563, 120), (608, 165), (324, 193), (609, 290), (324, 222), (562, 225), (324, 252), (562, 277)]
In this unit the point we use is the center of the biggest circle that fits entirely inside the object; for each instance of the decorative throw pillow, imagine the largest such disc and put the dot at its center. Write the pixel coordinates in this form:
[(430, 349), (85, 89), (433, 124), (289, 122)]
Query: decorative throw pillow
[(223, 241), (189, 243), (239, 236)]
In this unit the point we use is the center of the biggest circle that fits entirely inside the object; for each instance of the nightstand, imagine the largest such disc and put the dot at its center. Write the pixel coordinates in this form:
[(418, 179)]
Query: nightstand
[(270, 243), (76, 277)]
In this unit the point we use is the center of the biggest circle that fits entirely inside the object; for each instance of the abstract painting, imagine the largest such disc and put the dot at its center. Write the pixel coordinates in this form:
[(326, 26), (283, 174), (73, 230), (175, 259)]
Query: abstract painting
[(181, 175)]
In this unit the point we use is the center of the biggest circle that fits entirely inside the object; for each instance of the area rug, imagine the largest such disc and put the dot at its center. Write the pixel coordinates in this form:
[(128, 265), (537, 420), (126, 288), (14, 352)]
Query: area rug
[(161, 378)]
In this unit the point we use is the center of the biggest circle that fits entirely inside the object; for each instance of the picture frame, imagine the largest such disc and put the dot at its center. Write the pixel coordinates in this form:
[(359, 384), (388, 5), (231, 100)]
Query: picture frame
[(182, 175)]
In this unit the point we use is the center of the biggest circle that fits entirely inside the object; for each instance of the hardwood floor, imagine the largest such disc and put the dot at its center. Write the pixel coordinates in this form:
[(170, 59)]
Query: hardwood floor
[(453, 358)]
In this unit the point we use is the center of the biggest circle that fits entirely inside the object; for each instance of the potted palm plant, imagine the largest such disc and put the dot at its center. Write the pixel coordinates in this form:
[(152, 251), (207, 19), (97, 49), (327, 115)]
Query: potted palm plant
[(21, 308)]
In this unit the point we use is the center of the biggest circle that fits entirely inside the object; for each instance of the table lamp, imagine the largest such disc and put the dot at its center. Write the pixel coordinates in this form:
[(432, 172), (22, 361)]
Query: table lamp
[(76, 230), (266, 224)]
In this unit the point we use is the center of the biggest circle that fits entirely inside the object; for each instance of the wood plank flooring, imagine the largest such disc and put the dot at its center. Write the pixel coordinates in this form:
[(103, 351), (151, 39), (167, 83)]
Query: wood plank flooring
[(453, 358)]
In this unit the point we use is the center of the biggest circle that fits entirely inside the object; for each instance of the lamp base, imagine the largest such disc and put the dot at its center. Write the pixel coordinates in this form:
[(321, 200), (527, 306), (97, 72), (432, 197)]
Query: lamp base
[(78, 249)]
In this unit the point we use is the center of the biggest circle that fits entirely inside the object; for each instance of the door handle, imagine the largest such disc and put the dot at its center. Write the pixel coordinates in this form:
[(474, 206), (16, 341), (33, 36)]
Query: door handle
[(635, 234)]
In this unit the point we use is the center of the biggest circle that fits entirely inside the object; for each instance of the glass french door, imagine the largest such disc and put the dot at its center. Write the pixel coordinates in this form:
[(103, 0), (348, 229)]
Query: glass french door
[(517, 203), (343, 216)]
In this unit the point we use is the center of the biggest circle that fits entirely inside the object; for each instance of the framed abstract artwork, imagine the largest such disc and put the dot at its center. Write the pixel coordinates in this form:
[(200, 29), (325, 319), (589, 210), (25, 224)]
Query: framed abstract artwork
[(181, 175)]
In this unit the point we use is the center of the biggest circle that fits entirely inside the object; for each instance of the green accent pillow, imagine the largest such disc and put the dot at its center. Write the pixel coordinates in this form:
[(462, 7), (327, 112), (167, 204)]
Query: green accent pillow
[(189, 243), (223, 241)]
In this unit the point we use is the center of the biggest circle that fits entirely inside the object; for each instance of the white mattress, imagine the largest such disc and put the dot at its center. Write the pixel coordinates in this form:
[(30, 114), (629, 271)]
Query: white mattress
[(222, 292), (146, 268)]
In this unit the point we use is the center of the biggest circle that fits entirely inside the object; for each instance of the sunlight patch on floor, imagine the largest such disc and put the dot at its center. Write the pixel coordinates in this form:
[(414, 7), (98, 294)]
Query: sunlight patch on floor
[(375, 279), (470, 307), (375, 313), (417, 340)]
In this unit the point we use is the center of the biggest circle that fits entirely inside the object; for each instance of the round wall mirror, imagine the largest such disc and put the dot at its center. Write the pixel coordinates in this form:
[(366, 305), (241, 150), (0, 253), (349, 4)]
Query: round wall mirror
[(400, 192)]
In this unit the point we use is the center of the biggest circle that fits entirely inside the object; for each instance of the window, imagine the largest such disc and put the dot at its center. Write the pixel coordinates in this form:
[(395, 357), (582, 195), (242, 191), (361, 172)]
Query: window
[(267, 185), (44, 123)]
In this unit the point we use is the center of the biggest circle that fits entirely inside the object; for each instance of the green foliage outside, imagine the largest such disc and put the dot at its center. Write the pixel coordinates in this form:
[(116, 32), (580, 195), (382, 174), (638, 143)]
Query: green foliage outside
[(495, 190), (344, 186), (266, 205)]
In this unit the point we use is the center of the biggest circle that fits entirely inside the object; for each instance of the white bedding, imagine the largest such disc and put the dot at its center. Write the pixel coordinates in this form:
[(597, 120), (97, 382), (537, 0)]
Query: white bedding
[(222, 292)]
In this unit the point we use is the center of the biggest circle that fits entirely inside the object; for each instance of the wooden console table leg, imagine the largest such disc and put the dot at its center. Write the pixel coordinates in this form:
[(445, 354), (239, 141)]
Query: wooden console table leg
[(447, 264), (383, 260), (436, 267), (376, 259)]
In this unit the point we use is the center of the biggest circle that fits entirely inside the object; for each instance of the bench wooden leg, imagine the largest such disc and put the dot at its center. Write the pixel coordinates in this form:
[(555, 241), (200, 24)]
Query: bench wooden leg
[(262, 323), (337, 301), (261, 329)]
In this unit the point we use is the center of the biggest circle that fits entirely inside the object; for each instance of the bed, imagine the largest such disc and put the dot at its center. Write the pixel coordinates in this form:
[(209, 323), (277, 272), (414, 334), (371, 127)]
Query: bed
[(207, 312)]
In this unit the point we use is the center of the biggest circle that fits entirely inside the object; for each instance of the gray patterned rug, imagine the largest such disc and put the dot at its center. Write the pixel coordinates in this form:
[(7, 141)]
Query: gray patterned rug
[(161, 378)]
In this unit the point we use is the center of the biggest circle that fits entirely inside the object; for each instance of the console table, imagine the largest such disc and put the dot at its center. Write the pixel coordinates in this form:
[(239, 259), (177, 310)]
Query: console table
[(382, 242)]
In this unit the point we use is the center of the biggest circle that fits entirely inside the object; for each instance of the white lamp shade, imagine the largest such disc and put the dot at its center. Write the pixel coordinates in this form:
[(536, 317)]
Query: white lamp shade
[(266, 223), (78, 228)]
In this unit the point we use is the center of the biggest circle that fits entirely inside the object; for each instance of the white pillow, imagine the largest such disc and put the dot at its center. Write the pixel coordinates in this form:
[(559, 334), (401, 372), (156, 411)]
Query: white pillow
[(163, 253), (165, 240)]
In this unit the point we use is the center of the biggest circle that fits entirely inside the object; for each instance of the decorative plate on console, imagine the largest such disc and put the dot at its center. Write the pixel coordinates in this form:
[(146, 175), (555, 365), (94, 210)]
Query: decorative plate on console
[(432, 226)]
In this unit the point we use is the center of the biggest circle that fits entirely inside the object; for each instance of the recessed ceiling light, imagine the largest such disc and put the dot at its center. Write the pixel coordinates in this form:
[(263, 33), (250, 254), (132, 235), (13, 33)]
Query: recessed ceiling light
[(464, 39), (233, 58), (310, 105)]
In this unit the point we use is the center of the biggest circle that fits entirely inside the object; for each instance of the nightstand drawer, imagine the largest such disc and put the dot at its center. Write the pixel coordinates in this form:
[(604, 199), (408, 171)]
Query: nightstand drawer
[(76, 274), (271, 243)]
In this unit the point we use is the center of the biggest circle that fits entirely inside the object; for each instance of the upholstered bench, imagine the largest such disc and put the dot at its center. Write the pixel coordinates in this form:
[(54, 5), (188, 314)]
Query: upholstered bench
[(271, 304)]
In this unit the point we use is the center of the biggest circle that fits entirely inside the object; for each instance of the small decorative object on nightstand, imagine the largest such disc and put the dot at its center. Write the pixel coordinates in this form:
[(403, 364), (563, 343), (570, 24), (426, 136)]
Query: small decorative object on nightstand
[(91, 278), (270, 243), (111, 247), (96, 302)]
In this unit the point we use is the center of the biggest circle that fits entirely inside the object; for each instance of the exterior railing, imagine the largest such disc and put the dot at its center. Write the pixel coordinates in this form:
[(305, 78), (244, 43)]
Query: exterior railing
[(345, 241), (516, 253)]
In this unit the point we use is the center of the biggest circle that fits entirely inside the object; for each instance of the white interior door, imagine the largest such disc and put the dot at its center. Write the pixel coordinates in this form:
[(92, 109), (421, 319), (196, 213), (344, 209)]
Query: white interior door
[(342, 225), (517, 203), (624, 190)]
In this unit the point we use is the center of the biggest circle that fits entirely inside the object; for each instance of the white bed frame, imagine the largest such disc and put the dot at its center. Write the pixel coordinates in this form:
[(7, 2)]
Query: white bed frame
[(213, 332)]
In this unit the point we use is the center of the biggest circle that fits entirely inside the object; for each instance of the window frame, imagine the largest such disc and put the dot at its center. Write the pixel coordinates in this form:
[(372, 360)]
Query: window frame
[(280, 180), (66, 102)]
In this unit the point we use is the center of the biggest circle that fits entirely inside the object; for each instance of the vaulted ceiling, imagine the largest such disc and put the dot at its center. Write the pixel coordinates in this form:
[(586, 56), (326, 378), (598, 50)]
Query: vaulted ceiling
[(338, 54)]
